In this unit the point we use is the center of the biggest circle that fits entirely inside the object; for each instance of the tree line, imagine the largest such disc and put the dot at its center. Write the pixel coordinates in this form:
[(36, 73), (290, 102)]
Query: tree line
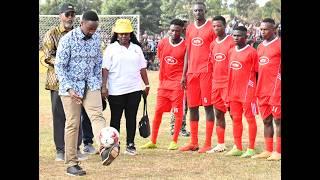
[(155, 15)]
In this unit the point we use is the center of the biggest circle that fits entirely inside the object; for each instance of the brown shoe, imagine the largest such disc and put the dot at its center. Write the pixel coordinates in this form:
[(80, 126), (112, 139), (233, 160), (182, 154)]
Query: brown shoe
[(275, 156), (189, 147), (263, 155)]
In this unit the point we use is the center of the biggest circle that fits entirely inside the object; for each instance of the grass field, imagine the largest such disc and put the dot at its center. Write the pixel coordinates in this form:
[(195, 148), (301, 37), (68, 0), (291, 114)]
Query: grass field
[(159, 163)]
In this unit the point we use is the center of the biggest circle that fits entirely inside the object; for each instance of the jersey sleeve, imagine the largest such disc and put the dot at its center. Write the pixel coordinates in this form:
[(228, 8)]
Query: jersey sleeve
[(255, 59)]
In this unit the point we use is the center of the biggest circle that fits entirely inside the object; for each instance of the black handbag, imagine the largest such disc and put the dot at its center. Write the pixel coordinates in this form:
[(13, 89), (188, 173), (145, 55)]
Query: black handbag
[(144, 125)]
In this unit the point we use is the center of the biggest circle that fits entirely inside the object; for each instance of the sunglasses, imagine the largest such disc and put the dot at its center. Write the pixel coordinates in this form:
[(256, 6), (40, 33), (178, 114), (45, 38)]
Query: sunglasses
[(70, 13)]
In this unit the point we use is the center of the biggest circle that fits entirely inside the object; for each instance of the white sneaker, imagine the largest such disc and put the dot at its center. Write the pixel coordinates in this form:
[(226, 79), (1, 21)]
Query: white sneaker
[(218, 148)]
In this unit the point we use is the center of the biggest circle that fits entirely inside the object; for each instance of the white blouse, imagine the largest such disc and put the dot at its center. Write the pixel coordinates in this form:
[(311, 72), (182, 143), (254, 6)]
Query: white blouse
[(124, 65)]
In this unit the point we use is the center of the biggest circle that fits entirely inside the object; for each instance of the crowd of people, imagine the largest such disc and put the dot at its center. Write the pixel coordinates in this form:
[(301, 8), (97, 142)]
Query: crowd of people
[(233, 68)]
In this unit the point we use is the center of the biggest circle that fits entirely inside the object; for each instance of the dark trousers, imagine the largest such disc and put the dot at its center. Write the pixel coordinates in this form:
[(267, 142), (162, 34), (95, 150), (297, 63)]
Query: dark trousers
[(59, 121), (86, 128), (128, 103)]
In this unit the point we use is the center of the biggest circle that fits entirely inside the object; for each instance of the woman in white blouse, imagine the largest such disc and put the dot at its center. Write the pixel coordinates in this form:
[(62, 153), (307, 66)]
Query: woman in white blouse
[(123, 70)]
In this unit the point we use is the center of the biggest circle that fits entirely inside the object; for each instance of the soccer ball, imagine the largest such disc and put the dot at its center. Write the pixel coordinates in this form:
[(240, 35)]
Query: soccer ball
[(109, 136)]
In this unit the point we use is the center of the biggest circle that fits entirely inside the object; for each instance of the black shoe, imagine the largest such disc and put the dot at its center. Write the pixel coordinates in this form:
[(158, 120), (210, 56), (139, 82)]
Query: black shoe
[(184, 133), (75, 170), (109, 154), (131, 149)]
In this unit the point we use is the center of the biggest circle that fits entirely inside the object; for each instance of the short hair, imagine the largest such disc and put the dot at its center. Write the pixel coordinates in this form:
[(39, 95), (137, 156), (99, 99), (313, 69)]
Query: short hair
[(178, 22), (220, 18), (240, 28), (199, 3), (90, 16), (269, 20)]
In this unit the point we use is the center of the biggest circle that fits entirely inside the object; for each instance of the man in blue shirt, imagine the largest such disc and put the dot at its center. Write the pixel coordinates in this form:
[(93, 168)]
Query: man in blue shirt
[(78, 67)]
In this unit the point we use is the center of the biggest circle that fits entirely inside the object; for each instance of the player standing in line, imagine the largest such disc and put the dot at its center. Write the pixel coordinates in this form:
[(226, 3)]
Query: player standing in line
[(269, 88), (197, 76), (243, 63), (219, 52), (171, 52)]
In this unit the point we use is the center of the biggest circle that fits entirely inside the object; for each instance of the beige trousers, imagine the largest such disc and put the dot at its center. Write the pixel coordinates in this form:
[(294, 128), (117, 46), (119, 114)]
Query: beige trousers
[(93, 105)]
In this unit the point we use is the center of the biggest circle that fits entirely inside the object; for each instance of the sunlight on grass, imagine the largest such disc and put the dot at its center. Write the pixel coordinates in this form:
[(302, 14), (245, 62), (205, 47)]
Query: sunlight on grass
[(158, 163)]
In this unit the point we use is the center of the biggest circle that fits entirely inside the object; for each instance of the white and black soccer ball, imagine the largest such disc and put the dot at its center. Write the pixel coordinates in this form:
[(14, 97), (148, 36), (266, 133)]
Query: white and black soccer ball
[(109, 136)]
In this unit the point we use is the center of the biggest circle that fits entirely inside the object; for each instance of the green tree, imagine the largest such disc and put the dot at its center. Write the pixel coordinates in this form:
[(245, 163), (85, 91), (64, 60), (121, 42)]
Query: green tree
[(51, 7), (272, 9), (149, 11), (242, 7)]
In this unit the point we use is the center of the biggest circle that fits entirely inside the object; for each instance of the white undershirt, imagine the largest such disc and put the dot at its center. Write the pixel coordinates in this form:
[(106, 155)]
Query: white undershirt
[(124, 65)]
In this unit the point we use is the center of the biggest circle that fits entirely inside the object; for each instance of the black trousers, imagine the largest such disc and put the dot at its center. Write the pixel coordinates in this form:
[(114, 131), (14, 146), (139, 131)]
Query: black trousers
[(86, 128), (128, 103), (59, 120)]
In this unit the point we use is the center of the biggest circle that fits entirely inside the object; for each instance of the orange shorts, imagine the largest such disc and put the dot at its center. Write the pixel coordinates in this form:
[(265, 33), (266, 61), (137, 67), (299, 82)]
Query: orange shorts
[(199, 89), (218, 98), (170, 99), (269, 105), (237, 108)]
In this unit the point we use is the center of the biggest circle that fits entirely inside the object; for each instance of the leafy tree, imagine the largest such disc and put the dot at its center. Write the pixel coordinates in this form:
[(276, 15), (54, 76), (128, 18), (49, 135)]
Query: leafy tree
[(51, 7), (242, 7), (272, 9), (148, 10)]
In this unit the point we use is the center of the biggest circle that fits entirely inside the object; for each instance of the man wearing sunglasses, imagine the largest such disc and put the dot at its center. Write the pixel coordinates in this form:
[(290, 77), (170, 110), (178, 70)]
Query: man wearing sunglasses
[(50, 45)]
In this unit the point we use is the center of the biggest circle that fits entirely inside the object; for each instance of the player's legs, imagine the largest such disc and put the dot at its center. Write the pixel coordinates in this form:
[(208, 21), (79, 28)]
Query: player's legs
[(218, 100), (276, 155), (249, 113), (194, 101), (163, 105), (206, 89), (236, 111), (176, 98), (266, 114)]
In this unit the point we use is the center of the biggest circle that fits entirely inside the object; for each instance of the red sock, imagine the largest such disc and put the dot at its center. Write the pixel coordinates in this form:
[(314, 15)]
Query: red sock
[(237, 131), (194, 131), (177, 126), (220, 134), (155, 126), (278, 145), (252, 131), (209, 129), (268, 141)]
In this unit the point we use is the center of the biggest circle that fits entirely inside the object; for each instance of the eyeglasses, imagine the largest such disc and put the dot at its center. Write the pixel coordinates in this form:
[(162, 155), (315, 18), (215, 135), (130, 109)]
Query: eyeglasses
[(70, 13)]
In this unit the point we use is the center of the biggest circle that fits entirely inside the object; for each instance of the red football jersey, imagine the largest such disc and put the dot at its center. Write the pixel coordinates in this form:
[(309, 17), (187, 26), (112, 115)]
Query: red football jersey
[(243, 65), (269, 65), (198, 39), (171, 57), (219, 60), (276, 93)]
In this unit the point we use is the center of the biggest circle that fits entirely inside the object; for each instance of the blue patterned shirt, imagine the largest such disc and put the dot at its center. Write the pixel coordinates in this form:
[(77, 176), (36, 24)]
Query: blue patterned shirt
[(78, 63)]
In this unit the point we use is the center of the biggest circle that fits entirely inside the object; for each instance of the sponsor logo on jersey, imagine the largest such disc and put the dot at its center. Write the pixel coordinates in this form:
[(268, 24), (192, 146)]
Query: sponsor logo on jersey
[(236, 65), (219, 57), (170, 60), (197, 41), (263, 60)]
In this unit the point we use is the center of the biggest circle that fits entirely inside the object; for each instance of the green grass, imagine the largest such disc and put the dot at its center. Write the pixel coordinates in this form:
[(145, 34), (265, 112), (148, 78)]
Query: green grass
[(158, 163)]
